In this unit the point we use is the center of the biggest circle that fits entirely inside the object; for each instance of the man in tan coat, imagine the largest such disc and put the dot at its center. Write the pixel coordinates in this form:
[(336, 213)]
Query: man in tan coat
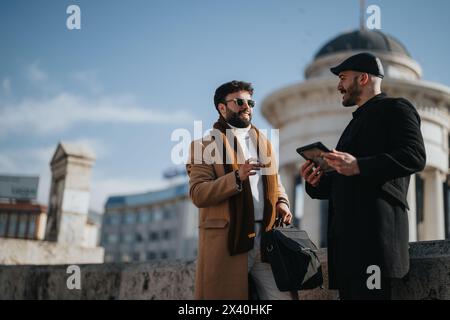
[(235, 183)]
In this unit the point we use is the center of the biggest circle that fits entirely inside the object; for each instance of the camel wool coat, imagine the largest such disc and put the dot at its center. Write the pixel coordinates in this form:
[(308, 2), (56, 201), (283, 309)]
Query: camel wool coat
[(219, 275)]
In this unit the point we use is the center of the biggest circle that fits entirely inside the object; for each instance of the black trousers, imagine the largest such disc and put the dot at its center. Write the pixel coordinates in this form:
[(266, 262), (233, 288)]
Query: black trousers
[(355, 288)]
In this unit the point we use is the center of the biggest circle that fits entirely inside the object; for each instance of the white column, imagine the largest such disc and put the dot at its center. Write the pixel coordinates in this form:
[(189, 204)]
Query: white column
[(310, 221), (412, 212), (433, 209), (311, 218), (287, 175)]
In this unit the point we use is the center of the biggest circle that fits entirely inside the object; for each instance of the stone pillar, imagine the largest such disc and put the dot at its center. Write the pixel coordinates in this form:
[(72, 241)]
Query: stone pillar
[(69, 195), (311, 218), (288, 177), (433, 226), (412, 212)]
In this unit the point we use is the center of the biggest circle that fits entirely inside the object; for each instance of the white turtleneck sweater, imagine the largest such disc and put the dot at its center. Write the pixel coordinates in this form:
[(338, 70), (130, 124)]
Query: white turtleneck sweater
[(256, 183)]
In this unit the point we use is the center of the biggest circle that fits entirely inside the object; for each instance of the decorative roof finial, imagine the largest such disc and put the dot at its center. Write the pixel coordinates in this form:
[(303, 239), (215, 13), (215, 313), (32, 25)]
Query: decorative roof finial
[(362, 4)]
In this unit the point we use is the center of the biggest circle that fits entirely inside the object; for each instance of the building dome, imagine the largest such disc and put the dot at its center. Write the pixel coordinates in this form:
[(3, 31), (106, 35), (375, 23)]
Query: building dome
[(396, 60), (362, 40)]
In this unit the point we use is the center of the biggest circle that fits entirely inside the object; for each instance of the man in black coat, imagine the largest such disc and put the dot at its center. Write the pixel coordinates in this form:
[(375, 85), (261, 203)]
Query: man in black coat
[(378, 151)]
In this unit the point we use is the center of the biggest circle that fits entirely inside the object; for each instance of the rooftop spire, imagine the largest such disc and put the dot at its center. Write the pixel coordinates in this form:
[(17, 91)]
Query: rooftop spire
[(362, 5)]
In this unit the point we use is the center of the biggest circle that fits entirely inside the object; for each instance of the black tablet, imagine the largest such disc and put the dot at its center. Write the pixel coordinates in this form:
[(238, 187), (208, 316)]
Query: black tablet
[(313, 152)]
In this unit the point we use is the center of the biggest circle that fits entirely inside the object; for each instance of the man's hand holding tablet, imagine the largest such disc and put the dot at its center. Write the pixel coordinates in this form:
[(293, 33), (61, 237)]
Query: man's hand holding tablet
[(315, 153), (315, 166)]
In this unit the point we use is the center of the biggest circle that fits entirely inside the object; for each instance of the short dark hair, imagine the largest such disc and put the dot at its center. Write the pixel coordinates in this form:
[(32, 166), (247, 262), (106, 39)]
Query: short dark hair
[(230, 87)]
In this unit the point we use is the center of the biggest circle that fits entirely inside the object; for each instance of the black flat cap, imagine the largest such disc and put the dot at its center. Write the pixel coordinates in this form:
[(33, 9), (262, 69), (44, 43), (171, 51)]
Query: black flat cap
[(362, 62)]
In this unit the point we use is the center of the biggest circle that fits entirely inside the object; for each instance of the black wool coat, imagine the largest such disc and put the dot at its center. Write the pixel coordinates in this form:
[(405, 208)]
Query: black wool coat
[(368, 220)]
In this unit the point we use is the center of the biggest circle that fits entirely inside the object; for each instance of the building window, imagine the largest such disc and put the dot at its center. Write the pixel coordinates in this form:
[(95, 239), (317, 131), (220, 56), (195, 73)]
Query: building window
[(128, 237), (151, 255), (167, 213), (109, 257), (130, 218), (116, 219), (150, 216), (154, 236), (144, 217), (166, 234), (136, 256), (157, 214), (109, 219), (23, 220), (163, 255), (112, 219), (32, 227), (3, 222), (112, 238), (125, 257), (12, 225), (139, 237)]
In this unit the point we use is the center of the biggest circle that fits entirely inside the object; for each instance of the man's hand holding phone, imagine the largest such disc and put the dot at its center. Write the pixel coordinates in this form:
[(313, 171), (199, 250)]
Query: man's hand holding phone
[(249, 168)]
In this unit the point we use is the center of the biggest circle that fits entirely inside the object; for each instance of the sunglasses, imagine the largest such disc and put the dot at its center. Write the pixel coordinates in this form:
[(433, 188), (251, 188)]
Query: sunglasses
[(240, 102)]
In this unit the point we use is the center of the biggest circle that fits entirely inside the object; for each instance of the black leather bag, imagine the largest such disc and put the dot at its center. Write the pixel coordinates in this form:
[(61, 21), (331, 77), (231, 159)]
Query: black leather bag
[(292, 256)]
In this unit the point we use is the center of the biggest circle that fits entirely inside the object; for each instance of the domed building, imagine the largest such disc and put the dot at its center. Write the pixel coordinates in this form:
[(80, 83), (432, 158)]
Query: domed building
[(311, 111)]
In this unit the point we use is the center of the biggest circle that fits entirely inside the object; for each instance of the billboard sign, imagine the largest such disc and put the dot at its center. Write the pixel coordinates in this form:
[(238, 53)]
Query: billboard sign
[(18, 187)]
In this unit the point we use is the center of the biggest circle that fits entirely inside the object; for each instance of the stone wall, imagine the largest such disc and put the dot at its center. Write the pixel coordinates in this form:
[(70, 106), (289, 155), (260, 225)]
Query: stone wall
[(429, 278), (37, 252), (147, 281)]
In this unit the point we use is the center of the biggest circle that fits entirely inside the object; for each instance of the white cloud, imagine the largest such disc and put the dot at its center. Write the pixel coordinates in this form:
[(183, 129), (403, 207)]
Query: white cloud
[(35, 74), (6, 86), (89, 79), (66, 110), (7, 164), (24, 161), (33, 160)]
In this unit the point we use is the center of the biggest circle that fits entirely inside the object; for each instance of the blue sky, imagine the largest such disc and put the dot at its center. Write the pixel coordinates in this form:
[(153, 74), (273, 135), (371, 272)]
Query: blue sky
[(139, 69)]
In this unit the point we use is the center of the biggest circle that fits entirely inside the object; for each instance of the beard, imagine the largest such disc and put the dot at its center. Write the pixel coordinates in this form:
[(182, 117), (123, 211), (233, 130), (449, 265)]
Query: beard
[(237, 119), (351, 94)]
